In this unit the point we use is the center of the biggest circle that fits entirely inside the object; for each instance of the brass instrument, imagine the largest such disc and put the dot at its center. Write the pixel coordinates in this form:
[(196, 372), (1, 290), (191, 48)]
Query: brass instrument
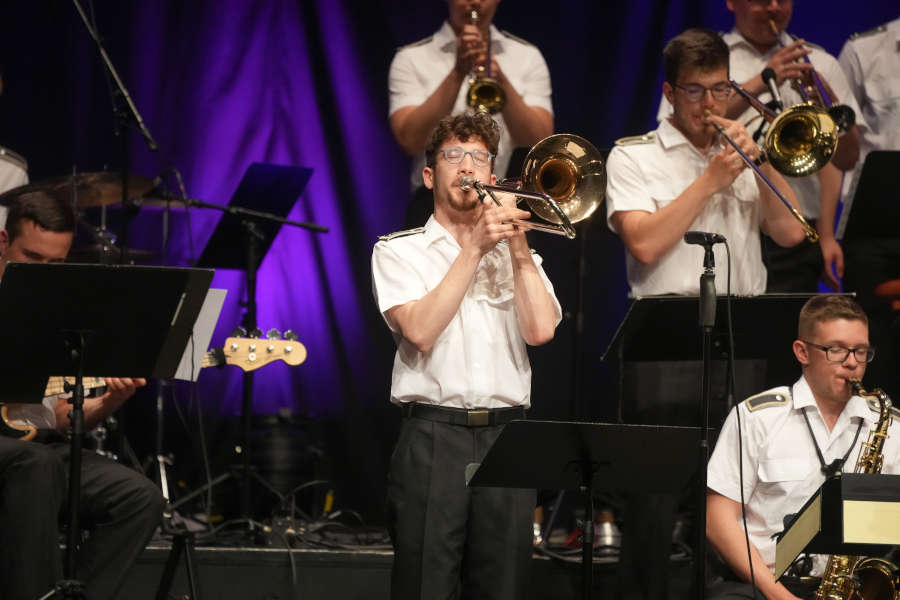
[(800, 140), (813, 91), (856, 577), (811, 234), (485, 93), (563, 181)]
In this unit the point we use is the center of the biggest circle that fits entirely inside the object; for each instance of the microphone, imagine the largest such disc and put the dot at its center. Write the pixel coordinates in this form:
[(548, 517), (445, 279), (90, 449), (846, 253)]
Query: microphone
[(703, 238), (768, 76)]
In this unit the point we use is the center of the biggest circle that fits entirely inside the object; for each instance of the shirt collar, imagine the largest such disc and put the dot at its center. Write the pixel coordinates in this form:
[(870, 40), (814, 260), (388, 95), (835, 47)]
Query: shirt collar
[(445, 38), (670, 137), (856, 406), (735, 38), (434, 231)]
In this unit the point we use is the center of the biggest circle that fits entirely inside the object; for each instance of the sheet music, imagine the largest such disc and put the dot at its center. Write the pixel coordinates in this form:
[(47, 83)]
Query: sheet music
[(203, 331)]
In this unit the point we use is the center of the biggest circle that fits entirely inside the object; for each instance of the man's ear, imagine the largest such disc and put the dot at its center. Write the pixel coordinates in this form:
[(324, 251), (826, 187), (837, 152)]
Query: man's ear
[(428, 177), (669, 92), (4, 240), (801, 352)]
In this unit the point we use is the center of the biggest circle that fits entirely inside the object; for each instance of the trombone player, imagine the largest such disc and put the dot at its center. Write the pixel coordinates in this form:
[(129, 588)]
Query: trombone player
[(684, 176), (462, 295)]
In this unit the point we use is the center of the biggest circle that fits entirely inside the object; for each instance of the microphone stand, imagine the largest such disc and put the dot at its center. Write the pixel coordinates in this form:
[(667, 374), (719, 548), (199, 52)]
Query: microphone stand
[(707, 321), (123, 118)]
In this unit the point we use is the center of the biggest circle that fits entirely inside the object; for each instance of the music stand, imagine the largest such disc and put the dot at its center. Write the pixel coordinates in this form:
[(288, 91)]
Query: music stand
[(123, 321), (583, 455), (264, 197), (875, 210)]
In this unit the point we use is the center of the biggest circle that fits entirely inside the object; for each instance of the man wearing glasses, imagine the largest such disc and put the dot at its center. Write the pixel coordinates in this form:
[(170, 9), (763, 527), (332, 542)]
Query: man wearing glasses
[(681, 177), (462, 295), (793, 437)]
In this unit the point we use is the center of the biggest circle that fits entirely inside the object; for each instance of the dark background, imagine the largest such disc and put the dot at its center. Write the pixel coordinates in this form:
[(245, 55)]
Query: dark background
[(222, 84)]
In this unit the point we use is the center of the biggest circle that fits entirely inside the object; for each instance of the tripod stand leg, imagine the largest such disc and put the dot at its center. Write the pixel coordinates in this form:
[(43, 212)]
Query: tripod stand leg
[(193, 580), (165, 582)]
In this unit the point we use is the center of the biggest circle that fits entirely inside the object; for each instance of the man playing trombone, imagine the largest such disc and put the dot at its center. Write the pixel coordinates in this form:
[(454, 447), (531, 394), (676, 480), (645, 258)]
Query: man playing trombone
[(685, 176), (462, 296)]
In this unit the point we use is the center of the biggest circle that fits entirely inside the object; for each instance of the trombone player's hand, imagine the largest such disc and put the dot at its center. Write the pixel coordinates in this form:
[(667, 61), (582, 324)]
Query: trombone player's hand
[(727, 164), (470, 49), (495, 223)]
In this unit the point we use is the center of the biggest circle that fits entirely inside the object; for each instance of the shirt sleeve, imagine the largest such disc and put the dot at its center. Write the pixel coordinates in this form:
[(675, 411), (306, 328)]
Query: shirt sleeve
[(724, 468), (404, 86), (536, 90), (849, 63), (626, 188), (394, 281), (548, 285), (834, 75)]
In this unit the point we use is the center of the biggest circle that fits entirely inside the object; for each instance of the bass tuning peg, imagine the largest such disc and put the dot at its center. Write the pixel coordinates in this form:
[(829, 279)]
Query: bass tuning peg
[(273, 334), (290, 335), (238, 332)]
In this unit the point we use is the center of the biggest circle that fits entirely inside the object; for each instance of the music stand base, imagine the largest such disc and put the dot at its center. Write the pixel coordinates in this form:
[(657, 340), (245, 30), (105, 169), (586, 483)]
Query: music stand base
[(67, 588)]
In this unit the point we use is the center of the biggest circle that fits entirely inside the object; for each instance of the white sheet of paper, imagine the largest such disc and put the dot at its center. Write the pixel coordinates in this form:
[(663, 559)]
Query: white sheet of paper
[(203, 331)]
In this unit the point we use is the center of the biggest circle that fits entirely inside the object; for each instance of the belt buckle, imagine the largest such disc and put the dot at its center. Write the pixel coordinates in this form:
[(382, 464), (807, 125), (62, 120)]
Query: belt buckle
[(478, 418)]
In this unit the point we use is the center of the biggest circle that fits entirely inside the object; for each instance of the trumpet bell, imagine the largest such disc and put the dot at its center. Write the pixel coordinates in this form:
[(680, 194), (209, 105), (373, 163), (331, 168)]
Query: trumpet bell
[(486, 95), (801, 140), (570, 170)]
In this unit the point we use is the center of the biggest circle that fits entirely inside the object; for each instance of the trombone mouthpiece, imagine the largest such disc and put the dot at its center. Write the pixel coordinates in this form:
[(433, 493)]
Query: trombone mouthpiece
[(466, 183)]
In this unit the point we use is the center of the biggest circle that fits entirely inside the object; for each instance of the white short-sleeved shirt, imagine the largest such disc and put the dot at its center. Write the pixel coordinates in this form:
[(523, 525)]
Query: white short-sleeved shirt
[(418, 69), (479, 360), (871, 62), (13, 173), (744, 63), (781, 467), (649, 174)]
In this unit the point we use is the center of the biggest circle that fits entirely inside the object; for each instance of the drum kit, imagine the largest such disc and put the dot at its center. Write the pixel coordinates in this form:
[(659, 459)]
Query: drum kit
[(92, 195)]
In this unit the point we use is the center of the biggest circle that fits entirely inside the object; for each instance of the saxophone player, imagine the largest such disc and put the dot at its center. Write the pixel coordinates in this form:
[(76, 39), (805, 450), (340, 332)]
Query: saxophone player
[(793, 438)]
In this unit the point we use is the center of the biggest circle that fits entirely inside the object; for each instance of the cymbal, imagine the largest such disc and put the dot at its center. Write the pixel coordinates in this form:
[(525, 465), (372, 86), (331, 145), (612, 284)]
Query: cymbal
[(101, 188), (96, 253)]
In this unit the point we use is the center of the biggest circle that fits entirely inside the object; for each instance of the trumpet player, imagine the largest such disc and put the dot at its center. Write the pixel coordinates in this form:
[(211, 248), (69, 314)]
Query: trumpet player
[(462, 296), (793, 438), (684, 176), (431, 79)]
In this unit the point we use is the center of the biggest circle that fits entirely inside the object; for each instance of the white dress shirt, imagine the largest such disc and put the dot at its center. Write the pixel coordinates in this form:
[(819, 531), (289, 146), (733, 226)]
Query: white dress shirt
[(479, 360), (648, 176), (871, 62), (418, 69), (744, 63), (781, 467), (13, 173)]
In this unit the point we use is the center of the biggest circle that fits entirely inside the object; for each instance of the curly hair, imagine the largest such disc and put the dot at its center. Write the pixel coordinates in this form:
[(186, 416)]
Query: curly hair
[(695, 48), (462, 127), (827, 307)]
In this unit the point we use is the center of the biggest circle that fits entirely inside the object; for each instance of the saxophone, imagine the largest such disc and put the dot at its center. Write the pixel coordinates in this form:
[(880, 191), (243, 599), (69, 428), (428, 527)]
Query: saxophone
[(857, 577)]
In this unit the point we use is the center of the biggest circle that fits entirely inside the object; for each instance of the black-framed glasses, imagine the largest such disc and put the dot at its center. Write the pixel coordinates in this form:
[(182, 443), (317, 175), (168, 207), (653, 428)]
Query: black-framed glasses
[(837, 354), (455, 155), (694, 92)]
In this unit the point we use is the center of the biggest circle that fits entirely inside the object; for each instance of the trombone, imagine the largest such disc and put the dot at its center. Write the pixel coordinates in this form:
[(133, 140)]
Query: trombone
[(563, 182), (842, 115), (811, 234)]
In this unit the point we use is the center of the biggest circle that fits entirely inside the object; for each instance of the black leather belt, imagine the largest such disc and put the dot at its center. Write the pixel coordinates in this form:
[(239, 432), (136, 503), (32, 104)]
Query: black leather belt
[(479, 417)]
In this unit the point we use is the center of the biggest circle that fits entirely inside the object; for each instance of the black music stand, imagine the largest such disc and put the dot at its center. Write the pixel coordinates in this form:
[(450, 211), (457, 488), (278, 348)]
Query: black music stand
[(850, 514), (258, 208), (588, 456), (96, 320)]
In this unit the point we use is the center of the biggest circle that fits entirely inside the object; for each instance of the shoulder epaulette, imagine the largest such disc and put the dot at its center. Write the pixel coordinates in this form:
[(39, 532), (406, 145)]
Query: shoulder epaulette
[(766, 400), (421, 42), (873, 31), (400, 234), (876, 408), (515, 38), (13, 157), (632, 140)]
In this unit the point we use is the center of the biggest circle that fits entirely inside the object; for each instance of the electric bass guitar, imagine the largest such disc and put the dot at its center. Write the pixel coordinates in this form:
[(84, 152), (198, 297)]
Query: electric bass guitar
[(248, 354)]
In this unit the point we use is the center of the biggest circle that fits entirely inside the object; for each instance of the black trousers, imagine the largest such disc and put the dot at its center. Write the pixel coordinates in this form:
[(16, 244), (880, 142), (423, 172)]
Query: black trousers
[(793, 270), (451, 541), (738, 590), (120, 507)]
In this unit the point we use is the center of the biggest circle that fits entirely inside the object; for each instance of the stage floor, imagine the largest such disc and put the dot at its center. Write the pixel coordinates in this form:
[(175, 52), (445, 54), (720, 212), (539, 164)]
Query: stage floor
[(273, 573)]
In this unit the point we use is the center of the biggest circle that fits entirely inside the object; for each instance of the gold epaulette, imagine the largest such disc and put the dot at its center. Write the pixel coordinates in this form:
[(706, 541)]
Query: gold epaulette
[(399, 234), (646, 138), (515, 38), (14, 158), (873, 31), (876, 408), (766, 400), (414, 44)]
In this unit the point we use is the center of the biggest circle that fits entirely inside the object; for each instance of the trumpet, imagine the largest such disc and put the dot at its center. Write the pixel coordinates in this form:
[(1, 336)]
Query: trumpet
[(843, 116), (485, 93), (563, 182), (811, 234), (800, 140)]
